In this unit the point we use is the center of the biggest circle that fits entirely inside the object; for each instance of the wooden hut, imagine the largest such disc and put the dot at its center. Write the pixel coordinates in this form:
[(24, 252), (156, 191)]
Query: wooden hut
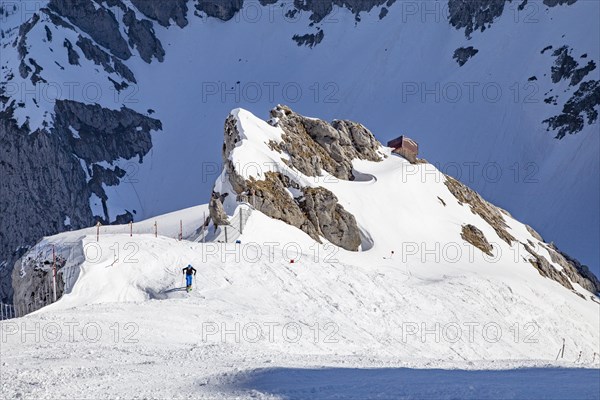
[(405, 147)]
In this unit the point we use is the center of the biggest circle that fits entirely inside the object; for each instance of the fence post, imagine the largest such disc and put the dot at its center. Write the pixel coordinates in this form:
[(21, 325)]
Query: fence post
[(180, 230), (241, 221), (53, 274), (579, 358), (130, 228), (204, 227), (155, 229), (98, 231), (226, 241)]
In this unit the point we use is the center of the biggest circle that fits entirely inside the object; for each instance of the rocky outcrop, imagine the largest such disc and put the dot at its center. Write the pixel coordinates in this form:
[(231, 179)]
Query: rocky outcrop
[(554, 3), (546, 269), (331, 220), (574, 270), (490, 213), (221, 9), (72, 55), (98, 22), (216, 211), (474, 15), (315, 145), (32, 275), (312, 146), (578, 111), (309, 39), (142, 36), (104, 135), (473, 235), (463, 54), (100, 57), (164, 11)]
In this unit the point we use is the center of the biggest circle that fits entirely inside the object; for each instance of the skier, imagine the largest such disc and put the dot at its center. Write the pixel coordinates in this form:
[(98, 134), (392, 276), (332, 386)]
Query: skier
[(189, 271)]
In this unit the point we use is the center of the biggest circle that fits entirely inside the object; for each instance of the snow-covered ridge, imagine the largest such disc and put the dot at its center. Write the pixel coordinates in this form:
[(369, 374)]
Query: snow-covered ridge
[(279, 165)]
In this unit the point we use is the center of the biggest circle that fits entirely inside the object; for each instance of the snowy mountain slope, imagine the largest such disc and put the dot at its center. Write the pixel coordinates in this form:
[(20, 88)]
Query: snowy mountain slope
[(437, 302), (405, 65), (433, 275)]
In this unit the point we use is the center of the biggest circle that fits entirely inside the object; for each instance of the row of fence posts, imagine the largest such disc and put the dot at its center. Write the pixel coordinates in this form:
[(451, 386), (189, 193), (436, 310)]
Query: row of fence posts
[(561, 354), (48, 291), (242, 214), (154, 226)]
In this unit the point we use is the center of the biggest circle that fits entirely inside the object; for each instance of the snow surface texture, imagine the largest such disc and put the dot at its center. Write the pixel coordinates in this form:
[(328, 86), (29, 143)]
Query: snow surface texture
[(128, 328), (481, 122)]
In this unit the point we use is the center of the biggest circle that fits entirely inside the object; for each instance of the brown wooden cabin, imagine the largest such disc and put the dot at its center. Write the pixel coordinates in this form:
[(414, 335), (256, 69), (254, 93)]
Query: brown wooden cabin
[(405, 147)]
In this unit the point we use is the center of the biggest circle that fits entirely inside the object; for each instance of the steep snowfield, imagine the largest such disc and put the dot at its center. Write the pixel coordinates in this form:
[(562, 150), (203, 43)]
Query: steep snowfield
[(435, 303)]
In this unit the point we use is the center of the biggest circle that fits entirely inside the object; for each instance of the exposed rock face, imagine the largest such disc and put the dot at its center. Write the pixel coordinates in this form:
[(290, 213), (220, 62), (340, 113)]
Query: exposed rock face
[(463, 54), (329, 217), (217, 213), (309, 39), (320, 9), (546, 269), (553, 3), (221, 9), (43, 182), (100, 24), (490, 213), (142, 36), (577, 111), (473, 235), (72, 55), (312, 145), (164, 11), (574, 270), (32, 275), (474, 15), (100, 57), (105, 135)]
